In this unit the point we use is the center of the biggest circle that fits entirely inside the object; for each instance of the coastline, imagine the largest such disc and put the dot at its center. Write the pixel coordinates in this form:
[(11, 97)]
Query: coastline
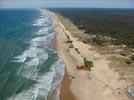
[(65, 91), (79, 83)]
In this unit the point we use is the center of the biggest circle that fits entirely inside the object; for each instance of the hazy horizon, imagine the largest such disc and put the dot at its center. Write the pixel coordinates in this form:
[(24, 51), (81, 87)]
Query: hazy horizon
[(67, 4)]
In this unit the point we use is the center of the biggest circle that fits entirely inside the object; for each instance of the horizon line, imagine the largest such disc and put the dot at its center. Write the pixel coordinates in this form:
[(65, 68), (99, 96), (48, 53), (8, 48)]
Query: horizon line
[(64, 7)]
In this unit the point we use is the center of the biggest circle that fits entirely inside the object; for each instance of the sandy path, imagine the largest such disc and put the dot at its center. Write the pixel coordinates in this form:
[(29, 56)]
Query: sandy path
[(100, 84), (65, 86)]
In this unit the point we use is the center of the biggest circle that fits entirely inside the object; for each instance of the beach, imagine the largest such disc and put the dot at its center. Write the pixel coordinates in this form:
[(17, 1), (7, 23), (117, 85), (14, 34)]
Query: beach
[(101, 83), (30, 68), (46, 56)]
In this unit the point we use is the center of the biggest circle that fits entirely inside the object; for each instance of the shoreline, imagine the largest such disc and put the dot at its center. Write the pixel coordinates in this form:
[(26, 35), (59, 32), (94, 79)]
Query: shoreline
[(65, 92), (81, 83)]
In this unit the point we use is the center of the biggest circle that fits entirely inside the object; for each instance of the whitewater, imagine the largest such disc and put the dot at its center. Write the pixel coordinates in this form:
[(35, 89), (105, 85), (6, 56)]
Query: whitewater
[(39, 52)]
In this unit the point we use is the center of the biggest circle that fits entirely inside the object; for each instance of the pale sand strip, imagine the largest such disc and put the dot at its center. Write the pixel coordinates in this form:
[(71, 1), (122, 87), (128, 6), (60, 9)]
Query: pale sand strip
[(100, 84)]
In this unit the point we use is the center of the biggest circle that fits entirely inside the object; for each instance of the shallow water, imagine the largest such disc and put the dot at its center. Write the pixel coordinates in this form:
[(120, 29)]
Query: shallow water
[(29, 67)]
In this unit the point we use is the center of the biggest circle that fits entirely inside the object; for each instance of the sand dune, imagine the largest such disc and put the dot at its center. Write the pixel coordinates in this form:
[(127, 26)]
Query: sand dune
[(101, 83)]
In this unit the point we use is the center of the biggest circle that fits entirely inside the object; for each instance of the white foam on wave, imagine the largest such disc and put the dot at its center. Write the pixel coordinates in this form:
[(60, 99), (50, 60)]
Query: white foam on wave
[(39, 22), (43, 41), (41, 38), (45, 84), (25, 95), (45, 31), (40, 51), (43, 57), (36, 55), (44, 19), (20, 58), (42, 31), (31, 52), (33, 62), (35, 43), (57, 79)]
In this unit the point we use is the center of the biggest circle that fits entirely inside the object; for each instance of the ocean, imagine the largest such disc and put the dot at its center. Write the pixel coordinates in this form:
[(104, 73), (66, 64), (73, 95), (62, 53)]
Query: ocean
[(30, 68)]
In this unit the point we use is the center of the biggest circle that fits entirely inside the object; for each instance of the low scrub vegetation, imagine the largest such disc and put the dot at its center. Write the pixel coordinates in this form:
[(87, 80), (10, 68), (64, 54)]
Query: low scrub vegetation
[(116, 23), (67, 36), (132, 57), (77, 50), (69, 41), (88, 64), (121, 62)]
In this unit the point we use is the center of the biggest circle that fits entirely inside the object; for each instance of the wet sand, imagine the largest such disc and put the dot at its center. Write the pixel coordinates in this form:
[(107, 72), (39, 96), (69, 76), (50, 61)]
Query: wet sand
[(65, 89), (79, 84)]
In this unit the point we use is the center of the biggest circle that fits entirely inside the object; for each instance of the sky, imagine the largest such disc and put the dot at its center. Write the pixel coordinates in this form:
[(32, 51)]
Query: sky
[(67, 3)]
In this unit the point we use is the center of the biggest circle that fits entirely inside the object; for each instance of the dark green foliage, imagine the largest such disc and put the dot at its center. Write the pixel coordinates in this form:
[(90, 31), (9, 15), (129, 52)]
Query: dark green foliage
[(128, 61), (77, 50), (132, 57), (67, 36), (88, 64), (71, 46), (69, 41), (98, 41), (116, 23)]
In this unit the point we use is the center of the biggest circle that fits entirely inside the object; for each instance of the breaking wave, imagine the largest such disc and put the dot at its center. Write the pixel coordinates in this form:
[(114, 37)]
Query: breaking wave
[(40, 63)]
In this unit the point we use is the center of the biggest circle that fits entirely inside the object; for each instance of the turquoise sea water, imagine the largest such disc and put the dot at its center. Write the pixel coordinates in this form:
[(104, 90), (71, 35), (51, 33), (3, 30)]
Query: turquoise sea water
[(29, 67)]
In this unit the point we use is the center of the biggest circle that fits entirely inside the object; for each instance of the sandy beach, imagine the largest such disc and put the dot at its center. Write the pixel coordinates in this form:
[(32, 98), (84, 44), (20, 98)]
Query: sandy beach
[(101, 83)]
